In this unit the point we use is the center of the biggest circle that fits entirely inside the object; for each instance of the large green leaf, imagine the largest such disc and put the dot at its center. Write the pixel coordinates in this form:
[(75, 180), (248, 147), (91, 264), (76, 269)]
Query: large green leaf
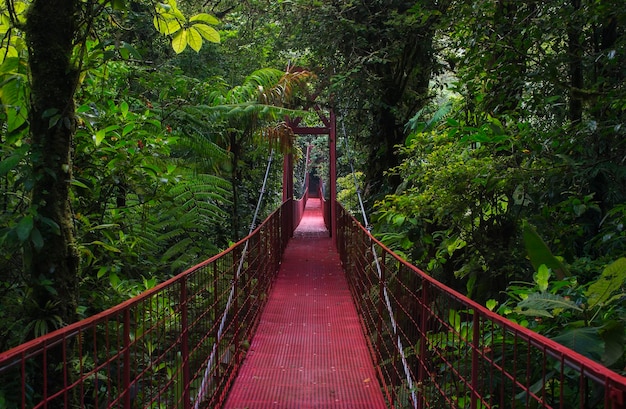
[(167, 25), (611, 280), (9, 163), (8, 52), (539, 253), (613, 335), (584, 340), (194, 39), (170, 8), (542, 278), (118, 4), (207, 18), (24, 227), (208, 32), (179, 42)]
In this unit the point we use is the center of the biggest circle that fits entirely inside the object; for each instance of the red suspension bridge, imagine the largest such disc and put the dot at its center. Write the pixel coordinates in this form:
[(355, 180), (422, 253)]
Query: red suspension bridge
[(308, 311), (307, 323)]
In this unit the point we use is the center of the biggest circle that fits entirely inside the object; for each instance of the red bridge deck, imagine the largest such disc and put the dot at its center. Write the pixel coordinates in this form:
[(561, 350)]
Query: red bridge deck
[(309, 350)]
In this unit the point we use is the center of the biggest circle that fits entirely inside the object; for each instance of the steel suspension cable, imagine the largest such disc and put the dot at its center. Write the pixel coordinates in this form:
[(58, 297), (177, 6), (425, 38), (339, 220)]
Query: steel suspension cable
[(203, 387), (394, 325)]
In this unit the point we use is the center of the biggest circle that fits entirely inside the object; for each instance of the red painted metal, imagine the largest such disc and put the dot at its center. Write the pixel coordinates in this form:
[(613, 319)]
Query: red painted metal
[(309, 350), (152, 351), (325, 209), (439, 349), (329, 128), (288, 181), (332, 147), (454, 352), (299, 207)]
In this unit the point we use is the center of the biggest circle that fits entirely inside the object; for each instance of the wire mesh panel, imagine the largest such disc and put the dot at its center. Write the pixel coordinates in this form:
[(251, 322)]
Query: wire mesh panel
[(437, 349), (178, 345), (298, 208)]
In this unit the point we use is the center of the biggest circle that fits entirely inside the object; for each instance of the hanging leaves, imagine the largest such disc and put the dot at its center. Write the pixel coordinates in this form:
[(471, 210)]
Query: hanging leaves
[(171, 21)]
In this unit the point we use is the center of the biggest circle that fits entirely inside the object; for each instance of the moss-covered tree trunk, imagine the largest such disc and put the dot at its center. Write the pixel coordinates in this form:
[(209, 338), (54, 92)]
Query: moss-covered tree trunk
[(403, 90), (53, 263)]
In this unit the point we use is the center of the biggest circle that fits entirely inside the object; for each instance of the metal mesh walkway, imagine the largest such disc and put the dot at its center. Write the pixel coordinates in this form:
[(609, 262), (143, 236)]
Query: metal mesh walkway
[(309, 350)]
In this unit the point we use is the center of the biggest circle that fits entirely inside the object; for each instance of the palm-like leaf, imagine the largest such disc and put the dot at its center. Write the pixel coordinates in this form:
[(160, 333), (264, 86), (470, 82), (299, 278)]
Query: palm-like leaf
[(259, 104)]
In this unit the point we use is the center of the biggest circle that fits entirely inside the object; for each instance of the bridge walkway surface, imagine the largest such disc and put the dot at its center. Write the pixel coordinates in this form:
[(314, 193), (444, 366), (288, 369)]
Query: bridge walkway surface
[(309, 350)]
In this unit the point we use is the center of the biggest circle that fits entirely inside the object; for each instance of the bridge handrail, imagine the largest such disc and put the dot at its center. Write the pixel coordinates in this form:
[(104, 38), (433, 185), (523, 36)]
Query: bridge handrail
[(325, 208), (153, 349), (460, 354), (298, 208)]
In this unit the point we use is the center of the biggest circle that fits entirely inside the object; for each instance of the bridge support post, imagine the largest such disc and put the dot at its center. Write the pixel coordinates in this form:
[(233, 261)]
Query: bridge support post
[(332, 147), (288, 187)]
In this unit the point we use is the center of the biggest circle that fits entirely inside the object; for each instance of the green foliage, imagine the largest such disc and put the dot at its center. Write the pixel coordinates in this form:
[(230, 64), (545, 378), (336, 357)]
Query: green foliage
[(539, 253), (151, 208), (455, 210), (375, 68), (613, 278), (589, 319), (347, 191), (543, 304), (170, 21)]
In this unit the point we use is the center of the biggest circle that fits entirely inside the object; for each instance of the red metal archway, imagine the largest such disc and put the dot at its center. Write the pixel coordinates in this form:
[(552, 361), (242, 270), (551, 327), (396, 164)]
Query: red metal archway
[(328, 128)]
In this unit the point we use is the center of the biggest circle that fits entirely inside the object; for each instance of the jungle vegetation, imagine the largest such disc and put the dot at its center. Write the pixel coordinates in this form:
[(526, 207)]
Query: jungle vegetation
[(489, 134)]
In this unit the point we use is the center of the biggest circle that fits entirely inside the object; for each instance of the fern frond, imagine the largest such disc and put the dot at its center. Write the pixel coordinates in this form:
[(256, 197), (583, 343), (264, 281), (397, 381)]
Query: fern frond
[(544, 304), (177, 249)]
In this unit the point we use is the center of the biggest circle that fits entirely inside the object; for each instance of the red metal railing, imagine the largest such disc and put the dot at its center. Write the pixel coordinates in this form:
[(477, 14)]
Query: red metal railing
[(441, 350), (298, 208), (326, 209), (171, 347)]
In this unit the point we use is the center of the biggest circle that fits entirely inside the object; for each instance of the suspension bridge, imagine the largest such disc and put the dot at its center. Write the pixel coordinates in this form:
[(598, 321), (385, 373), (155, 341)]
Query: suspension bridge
[(308, 311), (307, 322)]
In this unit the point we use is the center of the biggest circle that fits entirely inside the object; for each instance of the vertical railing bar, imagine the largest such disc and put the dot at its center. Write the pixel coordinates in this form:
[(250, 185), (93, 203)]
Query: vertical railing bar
[(184, 350), (81, 369), (542, 395), (503, 371), (381, 283), (45, 374), (126, 373), (235, 323), (562, 379), (583, 388), (65, 369), (475, 357), (96, 365), (528, 368), (423, 341), (23, 371)]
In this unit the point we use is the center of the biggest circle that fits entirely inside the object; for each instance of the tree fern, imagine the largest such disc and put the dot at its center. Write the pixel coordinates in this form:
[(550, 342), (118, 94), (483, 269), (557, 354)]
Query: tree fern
[(192, 224)]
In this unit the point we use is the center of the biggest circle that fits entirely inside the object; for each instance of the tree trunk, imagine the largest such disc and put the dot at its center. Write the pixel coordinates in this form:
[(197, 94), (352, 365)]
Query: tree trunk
[(575, 50), (403, 90), (50, 34)]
